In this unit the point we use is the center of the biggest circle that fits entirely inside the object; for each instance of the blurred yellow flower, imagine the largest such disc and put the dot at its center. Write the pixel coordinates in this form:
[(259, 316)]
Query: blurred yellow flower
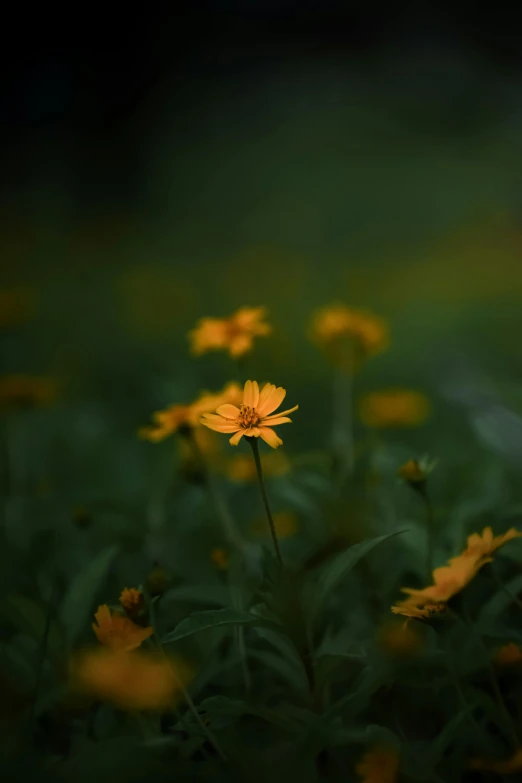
[(242, 469), (219, 557), (486, 544), (136, 680), (27, 391), (399, 640), (132, 600), (252, 419), (394, 408), (507, 767), (118, 632), (234, 334), (285, 524), (349, 336), (379, 765), (16, 306), (509, 655), (416, 472), (179, 417)]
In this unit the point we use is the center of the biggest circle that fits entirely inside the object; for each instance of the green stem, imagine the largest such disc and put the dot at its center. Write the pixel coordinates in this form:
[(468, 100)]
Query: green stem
[(239, 634), (230, 530), (257, 459), (42, 653), (186, 695), (430, 529), (502, 586), (493, 679)]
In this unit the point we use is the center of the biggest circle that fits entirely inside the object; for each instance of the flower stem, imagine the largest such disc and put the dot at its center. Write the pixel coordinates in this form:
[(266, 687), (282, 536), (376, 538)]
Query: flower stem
[(493, 679), (257, 459), (186, 695), (230, 530), (430, 529)]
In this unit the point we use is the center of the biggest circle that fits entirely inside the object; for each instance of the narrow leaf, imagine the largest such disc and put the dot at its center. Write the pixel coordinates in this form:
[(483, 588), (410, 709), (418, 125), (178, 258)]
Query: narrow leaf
[(203, 621)]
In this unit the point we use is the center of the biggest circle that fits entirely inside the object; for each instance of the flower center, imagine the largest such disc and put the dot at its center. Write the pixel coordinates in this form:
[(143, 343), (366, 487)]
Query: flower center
[(248, 417)]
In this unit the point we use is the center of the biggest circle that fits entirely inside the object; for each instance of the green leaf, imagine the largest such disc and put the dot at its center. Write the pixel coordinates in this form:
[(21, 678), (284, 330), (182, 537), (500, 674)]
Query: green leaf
[(321, 586), (221, 706), (203, 621), (501, 600), (77, 605)]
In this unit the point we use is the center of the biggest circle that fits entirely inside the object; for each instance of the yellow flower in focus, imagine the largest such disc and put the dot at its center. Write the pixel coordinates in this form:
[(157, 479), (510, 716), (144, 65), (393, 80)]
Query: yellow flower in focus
[(234, 334), (27, 391), (394, 408), (16, 306), (242, 468), (399, 640), (285, 525), (507, 767), (132, 601), (118, 632), (136, 680), (252, 419), (349, 336), (509, 655), (486, 544), (219, 557), (179, 417), (379, 765)]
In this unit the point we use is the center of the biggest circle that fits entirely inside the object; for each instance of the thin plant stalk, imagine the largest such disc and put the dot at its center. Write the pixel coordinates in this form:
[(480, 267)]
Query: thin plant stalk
[(430, 532), (493, 679), (230, 530), (42, 652), (239, 635), (186, 695), (257, 459)]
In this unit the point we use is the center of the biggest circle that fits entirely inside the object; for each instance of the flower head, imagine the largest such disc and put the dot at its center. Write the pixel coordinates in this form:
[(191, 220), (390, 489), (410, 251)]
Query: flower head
[(234, 334), (486, 544), (412, 611), (136, 680), (132, 601), (506, 767), (349, 336), (27, 391), (379, 765), (509, 655), (448, 580), (415, 472), (180, 417), (118, 632), (219, 557), (253, 418), (394, 408)]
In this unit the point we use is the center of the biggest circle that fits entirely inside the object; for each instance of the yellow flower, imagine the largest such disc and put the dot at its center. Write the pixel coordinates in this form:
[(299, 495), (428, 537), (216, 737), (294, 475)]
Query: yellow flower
[(234, 334), (349, 336), (136, 680), (118, 632), (27, 391), (509, 655), (242, 468), (132, 601), (177, 417), (399, 640), (16, 306), (220, 558), (448, 580), (486, 544), (416, 472), (412, 611), (394, 408), (252, 419), (285, 525), (507, 767), (379, 765)]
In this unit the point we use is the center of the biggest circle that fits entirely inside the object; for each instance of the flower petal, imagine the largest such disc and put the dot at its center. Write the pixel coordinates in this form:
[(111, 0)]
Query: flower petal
[(240, 345), (272, 400), (270, 437), (274, 420), (282, 413), (228, 411), (251, 394), (234, 440), (218, 423), (265, 393)]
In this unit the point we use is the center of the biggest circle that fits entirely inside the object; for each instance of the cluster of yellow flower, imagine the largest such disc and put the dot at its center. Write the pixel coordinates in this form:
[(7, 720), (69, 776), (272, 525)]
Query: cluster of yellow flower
[(117, 671), (450, 579)]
